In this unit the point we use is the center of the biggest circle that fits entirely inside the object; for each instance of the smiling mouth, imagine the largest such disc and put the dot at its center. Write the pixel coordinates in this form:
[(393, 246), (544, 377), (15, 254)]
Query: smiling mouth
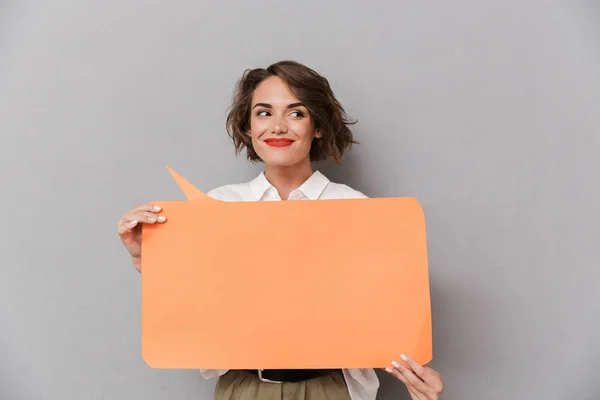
[(279, 142)]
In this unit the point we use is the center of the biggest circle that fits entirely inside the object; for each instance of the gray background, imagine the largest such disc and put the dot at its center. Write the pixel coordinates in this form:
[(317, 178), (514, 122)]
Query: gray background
[(487, 111)]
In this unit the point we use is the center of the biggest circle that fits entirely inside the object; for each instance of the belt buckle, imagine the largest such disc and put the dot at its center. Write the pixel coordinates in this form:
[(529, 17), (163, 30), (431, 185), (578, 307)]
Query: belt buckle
[(263, 379)]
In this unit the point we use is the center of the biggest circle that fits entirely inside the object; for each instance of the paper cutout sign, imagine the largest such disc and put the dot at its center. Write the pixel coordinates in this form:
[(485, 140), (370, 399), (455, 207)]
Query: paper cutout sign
[(283, 285)]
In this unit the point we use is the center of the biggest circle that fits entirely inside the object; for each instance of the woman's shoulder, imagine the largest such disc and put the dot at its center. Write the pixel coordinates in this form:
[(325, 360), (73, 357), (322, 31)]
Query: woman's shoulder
[(336, 190), (232, 192), (243, 192)]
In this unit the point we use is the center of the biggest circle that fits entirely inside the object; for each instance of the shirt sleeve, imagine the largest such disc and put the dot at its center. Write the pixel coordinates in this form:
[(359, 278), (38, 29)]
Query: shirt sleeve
[(212, 373), (362, 383)]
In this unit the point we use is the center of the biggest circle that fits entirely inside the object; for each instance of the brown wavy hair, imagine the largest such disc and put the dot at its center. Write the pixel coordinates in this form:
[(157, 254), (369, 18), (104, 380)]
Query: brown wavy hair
[(312, 90)]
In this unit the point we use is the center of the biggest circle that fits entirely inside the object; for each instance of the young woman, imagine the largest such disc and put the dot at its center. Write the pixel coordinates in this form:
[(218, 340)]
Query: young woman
[(287, 116)]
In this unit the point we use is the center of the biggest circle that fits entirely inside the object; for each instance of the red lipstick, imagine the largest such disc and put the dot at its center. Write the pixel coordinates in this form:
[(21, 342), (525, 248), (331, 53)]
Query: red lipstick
[(279, 142)]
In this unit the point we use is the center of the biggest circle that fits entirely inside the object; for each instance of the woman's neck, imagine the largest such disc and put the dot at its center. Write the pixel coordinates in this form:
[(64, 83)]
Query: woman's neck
[(286, 179)]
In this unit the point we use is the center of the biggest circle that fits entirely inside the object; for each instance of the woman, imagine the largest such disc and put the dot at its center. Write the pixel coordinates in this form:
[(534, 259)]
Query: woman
[(287, 116)]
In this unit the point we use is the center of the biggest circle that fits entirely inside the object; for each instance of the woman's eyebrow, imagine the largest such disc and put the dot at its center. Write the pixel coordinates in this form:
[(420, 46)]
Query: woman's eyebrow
[(266, 105)]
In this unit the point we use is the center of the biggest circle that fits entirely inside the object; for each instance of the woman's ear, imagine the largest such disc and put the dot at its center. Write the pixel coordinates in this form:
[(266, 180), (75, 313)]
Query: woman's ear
[(318, 134)]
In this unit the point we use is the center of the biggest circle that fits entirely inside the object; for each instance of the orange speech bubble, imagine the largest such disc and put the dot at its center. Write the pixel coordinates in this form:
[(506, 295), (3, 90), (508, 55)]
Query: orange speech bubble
[(283, 285)]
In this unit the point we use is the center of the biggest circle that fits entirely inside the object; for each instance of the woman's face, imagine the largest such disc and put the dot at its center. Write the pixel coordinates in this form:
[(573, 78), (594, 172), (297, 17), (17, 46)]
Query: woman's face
[(280, 125)]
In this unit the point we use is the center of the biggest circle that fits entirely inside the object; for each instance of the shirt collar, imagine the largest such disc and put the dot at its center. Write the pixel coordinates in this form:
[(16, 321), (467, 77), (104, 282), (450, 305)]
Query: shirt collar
[(312, 188)]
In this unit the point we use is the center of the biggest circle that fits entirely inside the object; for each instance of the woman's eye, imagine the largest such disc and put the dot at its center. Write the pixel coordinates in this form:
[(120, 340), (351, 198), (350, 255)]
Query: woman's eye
[(262, 113), (297, 114)]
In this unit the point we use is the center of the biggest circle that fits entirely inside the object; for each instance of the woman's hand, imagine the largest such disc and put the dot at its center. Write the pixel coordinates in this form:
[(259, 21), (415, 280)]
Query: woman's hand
[(129, 229), (423, 383)]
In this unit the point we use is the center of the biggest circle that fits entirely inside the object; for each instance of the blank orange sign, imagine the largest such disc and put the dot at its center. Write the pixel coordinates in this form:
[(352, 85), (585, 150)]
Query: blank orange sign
[(282, 285)]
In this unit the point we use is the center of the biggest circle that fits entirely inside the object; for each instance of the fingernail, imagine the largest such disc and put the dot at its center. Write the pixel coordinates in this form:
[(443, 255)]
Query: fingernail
[(161, 218), (388, 369), (157, 208), (396, 364), (402, 356), (133, 223)]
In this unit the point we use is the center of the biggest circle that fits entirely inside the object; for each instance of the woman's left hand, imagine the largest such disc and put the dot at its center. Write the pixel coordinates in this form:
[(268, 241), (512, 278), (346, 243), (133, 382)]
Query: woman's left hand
[(423, 383)]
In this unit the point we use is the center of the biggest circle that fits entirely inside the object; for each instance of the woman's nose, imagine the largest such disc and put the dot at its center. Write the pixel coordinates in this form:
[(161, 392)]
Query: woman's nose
[(279, 126)]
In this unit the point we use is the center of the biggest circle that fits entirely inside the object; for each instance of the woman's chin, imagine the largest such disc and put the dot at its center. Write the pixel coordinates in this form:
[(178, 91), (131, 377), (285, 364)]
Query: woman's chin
[(279, 161)]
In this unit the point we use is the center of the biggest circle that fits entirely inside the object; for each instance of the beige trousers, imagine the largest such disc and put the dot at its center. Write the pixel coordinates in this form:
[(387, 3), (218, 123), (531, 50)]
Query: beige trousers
[(244, 385)]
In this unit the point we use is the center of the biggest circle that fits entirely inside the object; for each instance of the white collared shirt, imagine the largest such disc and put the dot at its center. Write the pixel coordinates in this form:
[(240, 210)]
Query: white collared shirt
[(362, 383)]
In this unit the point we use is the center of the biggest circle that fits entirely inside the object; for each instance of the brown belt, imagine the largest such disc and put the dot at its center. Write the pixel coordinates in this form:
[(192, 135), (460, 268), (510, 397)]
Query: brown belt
[(290, 375)]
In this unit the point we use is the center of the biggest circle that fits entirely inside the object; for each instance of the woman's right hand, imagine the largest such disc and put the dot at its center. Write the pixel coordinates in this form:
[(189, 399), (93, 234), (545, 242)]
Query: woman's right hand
[(129, 229)]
